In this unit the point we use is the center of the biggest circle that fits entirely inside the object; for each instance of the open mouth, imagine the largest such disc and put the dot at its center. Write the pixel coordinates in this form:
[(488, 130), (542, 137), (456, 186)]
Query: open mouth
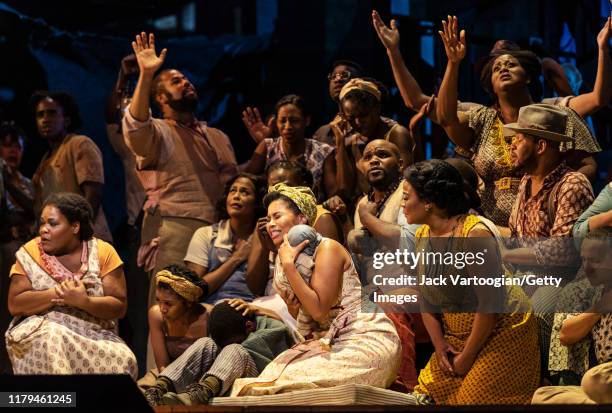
[(505, 76), (236, 206), (376, 171), (275, 233)]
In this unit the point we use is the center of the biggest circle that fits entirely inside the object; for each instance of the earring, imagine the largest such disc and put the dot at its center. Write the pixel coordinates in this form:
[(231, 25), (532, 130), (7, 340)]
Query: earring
[(427, 208)]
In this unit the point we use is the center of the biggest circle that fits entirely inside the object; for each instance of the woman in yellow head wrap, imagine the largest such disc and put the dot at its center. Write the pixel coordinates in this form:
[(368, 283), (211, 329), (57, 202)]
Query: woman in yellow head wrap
[(361, 345), (178, 319)]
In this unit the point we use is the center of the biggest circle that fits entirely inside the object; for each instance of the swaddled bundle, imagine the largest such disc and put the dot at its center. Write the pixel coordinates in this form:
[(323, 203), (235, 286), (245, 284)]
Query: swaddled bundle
[(304, 263)]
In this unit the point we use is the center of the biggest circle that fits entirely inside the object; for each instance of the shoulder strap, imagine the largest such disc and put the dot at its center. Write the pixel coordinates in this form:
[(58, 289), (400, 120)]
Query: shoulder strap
[(213, 237)]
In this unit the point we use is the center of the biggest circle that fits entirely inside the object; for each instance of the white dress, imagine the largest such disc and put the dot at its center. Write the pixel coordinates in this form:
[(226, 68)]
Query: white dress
[(361, 347)]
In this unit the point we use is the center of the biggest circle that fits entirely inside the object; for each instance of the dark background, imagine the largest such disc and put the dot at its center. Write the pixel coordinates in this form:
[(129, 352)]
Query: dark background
[(251, 52)]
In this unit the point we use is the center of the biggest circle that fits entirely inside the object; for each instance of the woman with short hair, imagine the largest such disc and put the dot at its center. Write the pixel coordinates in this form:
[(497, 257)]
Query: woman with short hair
[(67, 291)]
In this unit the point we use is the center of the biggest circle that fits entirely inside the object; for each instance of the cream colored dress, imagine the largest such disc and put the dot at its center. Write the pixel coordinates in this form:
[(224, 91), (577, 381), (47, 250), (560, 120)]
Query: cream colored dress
[(361, 347)]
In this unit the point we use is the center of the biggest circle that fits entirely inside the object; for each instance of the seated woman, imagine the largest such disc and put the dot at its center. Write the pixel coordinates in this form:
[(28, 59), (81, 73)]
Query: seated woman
[(361, 346), (485, 339), (292, 118), (178, 319), (67, 289), (584, 330), (217, 253)]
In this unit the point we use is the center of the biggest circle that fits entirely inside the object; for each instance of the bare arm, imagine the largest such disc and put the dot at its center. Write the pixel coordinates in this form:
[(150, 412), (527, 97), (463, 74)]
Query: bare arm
[(408, 86), (455, 124), (24, 301), (345, 170), (576, 328), (148, 64), (588, 103), (329, 175), (258, 267), (158, 341), (555, 77), (326, 226), (257, 163), (326, 281)]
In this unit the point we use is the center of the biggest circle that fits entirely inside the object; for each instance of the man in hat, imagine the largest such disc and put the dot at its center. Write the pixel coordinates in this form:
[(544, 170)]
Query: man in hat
[(550, 199), (551, 196)]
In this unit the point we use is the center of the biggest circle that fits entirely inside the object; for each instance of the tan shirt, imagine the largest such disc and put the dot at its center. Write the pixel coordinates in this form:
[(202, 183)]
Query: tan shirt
[(134, 191), (76, 160), (191, 165)]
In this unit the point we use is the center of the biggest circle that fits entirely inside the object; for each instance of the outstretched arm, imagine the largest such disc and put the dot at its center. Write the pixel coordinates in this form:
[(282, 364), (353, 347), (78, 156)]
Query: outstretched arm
[(588, 103), (411, 92), (148, 63), (456, 126)]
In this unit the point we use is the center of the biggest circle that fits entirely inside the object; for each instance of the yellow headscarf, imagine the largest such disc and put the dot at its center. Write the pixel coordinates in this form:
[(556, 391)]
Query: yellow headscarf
[(301, 196), (180, 285), (360, 84)]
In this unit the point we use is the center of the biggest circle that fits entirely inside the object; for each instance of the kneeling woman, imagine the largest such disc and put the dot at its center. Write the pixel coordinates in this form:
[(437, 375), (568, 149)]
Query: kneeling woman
[(485, 338), (360, 347), (67, 289)]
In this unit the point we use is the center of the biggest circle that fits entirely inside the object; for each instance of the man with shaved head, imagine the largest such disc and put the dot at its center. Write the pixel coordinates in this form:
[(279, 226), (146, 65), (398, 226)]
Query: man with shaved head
[(378, 211), (380, 225)]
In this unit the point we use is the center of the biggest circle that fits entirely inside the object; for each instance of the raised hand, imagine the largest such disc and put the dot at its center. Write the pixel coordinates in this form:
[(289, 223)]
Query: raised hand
[(603, 38), (255, 125), (144, 49), (454, 42), (389, 37)]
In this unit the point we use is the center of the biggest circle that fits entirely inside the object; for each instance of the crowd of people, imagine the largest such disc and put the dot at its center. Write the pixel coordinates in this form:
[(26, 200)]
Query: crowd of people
[(260, 277)]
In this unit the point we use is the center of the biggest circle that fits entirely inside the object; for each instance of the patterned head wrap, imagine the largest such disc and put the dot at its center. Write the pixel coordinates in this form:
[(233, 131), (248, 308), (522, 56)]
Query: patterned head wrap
[(301, 196), (360, 84), (180, 285)]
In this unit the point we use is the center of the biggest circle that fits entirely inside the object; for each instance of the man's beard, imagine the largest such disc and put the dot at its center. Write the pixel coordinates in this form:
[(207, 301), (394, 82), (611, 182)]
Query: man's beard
[(184, 104), (528, 165), (383, 182)]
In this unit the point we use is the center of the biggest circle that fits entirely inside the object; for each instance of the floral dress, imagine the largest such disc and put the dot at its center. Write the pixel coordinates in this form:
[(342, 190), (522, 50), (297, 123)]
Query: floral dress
[(66, 340)]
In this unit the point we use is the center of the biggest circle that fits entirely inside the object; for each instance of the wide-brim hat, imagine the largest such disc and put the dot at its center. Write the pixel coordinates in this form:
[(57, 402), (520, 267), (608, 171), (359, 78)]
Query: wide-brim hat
[(541, 120)]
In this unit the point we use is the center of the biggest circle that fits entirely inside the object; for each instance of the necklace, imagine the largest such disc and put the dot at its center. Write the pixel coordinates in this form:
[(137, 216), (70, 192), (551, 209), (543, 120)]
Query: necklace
[(380, 204)]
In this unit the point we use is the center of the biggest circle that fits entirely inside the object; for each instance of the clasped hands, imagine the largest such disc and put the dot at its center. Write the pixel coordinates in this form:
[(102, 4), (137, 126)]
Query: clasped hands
[(452, 361), (71, 293)]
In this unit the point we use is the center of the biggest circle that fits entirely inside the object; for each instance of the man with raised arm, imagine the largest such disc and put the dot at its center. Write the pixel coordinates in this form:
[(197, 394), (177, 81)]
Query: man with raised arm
[(190, 160)]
